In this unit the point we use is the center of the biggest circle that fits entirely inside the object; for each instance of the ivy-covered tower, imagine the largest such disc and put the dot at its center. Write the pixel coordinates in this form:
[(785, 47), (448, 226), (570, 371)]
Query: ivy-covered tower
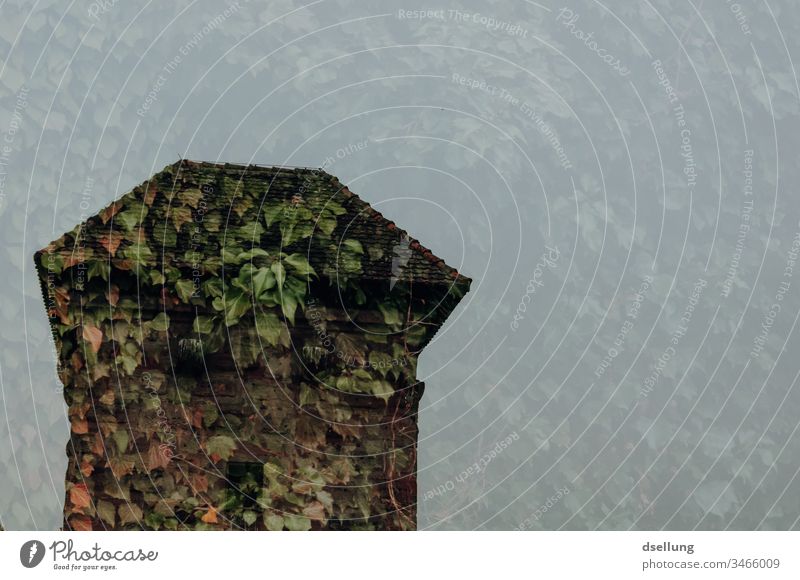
[(238, 349)]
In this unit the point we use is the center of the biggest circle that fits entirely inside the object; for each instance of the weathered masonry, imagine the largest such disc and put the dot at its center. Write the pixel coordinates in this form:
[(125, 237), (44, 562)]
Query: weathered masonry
[(238, 349)]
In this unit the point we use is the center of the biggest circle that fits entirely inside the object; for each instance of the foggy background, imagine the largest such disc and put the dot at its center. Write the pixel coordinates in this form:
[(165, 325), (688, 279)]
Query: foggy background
[(618, 179)]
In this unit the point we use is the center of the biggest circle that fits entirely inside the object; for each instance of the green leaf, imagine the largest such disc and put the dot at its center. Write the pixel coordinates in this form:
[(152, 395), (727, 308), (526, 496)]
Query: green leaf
[(272, 212), (391, 315), (221, 445), (234, 304), (326, 224), (382, 390), (288, 306), (203, 324), (307, 395), (249, 517), (273, 522), (191, 197), (156, 277), (263, 280), (252, 253), (354, 246), (107, 512), (185, 289), (160, 322), (297, 523), (128, 363), (121, 439), (269, 327), (128, 219), (300, 264), (280, 273), (210, 414)]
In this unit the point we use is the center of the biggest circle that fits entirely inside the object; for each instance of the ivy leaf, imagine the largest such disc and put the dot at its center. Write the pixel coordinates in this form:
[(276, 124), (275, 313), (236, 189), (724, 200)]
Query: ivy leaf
[(93, 335), (269, 327), (107, 512), (300, 264), (185, 289), (288, 306), (296, 523), (128, 219), (160, 323), (210, 517), (203, 324), (234, 304), (272, 211), (156, 277), (391, 315), (280, 273), (129, 513), (249, 517), (180, 216), (111, 242), (263, 280), (80, 523), (210, 414), (191, 197), (326, 224), (128, 363), (157, 457), (315, 511), (121, 439), (326, 499), (222, 446), (382, 390), (354, 246), (79, 497), (273, 522)]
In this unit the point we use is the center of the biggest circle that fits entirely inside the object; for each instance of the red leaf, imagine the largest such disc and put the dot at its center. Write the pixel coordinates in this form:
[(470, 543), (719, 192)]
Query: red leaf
[(111, 241), (109, 212), (79, 497), (80, 426)]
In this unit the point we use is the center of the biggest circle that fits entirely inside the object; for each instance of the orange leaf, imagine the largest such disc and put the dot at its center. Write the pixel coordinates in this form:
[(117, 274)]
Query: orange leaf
[(86, 468), (210, 517), (79, 497), (80, 426), (93, 336), (110, 212), (120, 467), (80, 523), (157, 457), (111, 241)]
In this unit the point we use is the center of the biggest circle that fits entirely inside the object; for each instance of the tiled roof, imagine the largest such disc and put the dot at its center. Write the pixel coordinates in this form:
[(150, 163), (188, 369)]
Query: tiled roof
[(230, 196)]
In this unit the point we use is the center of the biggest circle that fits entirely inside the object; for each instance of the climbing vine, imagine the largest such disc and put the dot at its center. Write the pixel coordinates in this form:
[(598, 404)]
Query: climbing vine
[(201, 262)]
